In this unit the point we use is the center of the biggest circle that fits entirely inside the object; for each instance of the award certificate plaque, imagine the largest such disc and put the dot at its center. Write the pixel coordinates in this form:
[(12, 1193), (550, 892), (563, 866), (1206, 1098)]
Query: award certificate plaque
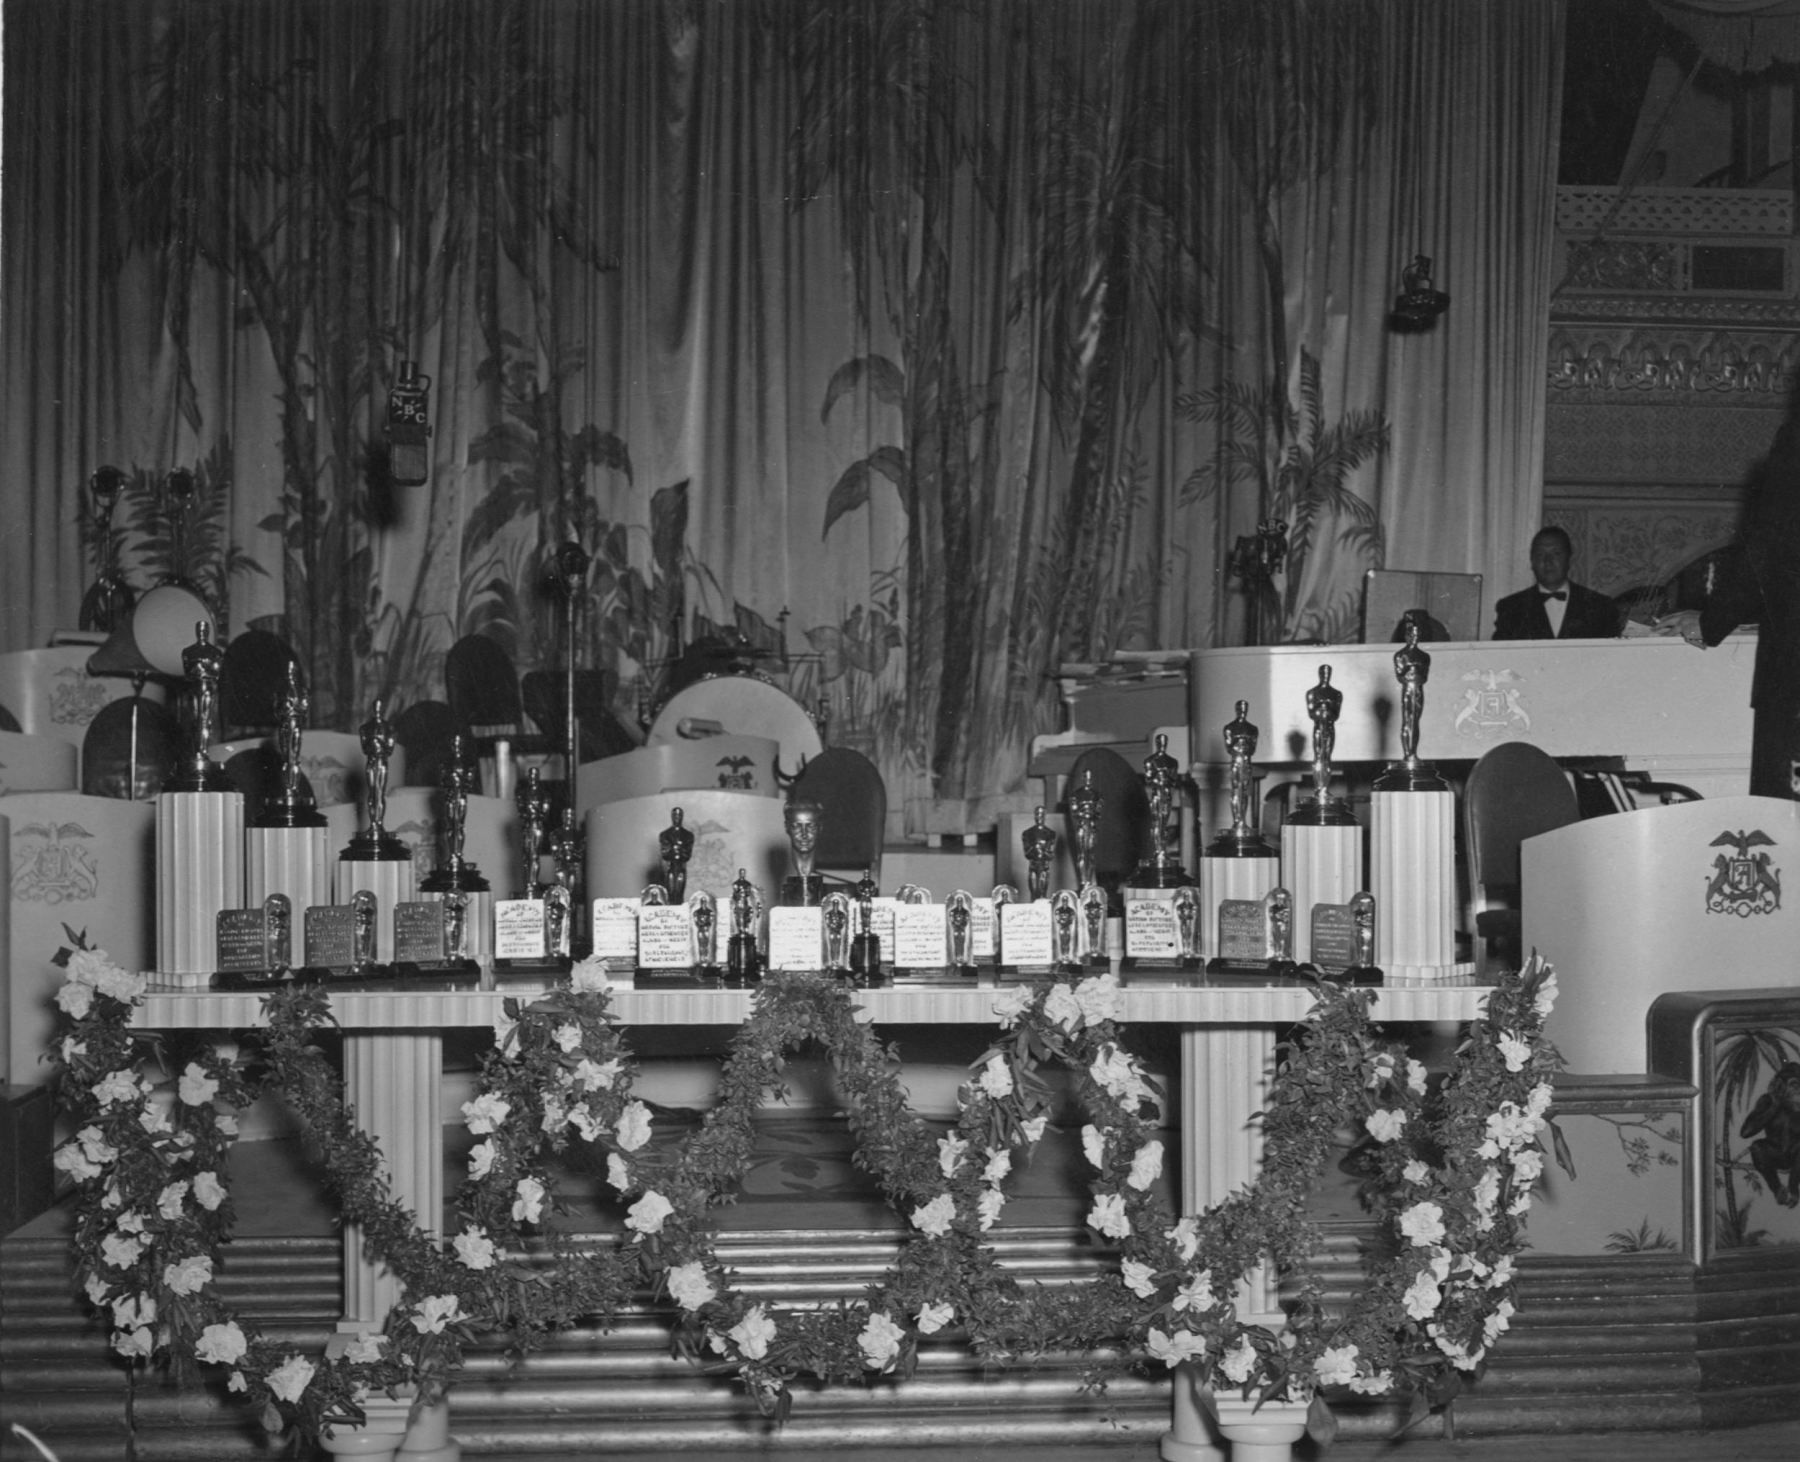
[(984, 930), (665, 942), (521, 949), (921, 945), (615, 929), (796, 938), (1027, 947), (1154, 951)]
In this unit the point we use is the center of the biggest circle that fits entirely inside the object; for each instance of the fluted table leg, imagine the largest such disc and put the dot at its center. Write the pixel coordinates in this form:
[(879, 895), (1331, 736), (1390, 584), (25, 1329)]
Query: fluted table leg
[(393, 1079)]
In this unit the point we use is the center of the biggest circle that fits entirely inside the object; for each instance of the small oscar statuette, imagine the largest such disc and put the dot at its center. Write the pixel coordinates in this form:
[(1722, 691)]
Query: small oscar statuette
[(1093, 903), (1022, 935), (523, 927), (865, 948), (375, 861), (1039, 843), (704, 909), (463, 897), (1065, 933), (959, 915), (836, 908), (743, 955)]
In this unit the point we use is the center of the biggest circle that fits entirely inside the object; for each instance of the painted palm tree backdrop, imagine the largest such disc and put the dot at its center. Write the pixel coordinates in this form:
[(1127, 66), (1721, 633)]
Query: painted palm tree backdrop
[(927, 345)]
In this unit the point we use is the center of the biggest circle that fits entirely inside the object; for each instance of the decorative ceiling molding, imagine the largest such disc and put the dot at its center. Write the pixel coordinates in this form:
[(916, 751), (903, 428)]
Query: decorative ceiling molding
[(1736, 212), (1633, 361)]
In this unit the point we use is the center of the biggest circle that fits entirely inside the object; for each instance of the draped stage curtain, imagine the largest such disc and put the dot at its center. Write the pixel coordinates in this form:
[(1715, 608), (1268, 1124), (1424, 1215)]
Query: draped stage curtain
[(943, 343)]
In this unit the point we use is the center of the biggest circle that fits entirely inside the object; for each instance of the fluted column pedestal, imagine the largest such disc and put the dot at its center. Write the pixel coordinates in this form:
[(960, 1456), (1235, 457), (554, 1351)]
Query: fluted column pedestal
[(1319, 865), (199, 871), (295, 861), (392, 881), (392, 1079), (1412, 873), (1230, 878)]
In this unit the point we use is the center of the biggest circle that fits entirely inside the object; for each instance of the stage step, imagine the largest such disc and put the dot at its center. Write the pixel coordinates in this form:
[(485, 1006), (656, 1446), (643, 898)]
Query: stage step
[(1595, 1345)]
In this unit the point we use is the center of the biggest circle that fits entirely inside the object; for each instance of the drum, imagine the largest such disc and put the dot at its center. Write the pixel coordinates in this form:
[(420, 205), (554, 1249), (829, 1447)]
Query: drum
[(738, 705)]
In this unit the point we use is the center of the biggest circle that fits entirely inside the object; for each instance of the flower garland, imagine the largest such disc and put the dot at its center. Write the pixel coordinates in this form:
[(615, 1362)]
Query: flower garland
[(1456, 1162)]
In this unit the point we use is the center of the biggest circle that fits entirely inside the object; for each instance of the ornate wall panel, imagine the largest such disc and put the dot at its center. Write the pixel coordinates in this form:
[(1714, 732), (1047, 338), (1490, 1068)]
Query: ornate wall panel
[(1624, 545), (1653, 443)]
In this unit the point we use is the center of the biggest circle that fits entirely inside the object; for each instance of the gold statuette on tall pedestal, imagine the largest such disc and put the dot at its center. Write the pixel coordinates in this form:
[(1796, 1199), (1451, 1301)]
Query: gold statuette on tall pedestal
[(287, 848), (1412, 667), (375, 861)]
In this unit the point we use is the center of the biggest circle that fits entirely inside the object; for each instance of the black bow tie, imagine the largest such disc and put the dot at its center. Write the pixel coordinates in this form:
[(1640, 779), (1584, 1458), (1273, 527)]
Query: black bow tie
[(1554, 593)]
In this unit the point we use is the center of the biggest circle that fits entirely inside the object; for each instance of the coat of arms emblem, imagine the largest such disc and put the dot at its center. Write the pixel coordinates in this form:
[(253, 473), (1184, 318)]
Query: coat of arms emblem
[(75, 698), (1492, 706), (53, 863), (737, 773), (1745, 883)]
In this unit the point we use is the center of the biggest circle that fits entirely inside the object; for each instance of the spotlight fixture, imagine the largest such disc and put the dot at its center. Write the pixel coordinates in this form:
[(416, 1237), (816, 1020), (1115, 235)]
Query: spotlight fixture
[(1418, 305)]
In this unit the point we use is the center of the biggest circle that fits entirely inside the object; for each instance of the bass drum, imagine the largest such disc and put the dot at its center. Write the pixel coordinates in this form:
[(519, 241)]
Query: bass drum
[(738, 705)]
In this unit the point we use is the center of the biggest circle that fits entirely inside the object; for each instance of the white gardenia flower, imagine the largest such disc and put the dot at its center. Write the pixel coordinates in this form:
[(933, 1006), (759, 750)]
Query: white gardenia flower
[(1186, 1238), (1415, 1077), (190, 1276), (1375, 1385), (116, 1086), (1498, 1323), (121, 1251), (75, 998), (434, 1312), (1422, 1297), (880, 1342), (237, 1382), (616, 1172), (1528, 1165), (633, 1127), (1172, 1350), (647, 1214), (988, 1206), (1196, 1294), (134, 1343), (169, 1201), (1013, 1004), (481, 1159), (1335, 1366), (1515, 1051), (1538, 1102), (688, 1285), (487, 1113), (933, 1317), (290, 1379), (567, 1037), (1423, 1223), (592, 1129), (153, 1119), (950, 1153), (752, 1334), (365, 1349), (597, 1075), (999, 1164), (1238, 1362), (1486, 1192), (474, 1248), (1108, 1216), (935, 1217), (221, 1345), (108, 979), (1502, 1272), (1415, 1171), (1099, 997), (589, 976), (1093, 1144), (71, 1048), (94, 1144), (1545, 1000), (129, 1311), (1146, 1165), (131, 1223), (72, 1158), (556, 1115), (1385, 1125), (1520, 1204), (1381, 1070), (1139, 1278), (97, 1290), (504, 1026), (196, 1088), (226, 1123), (996, 1077), (528, 1206), (1117, 1074), (1062, 1008), (1033, 1131)]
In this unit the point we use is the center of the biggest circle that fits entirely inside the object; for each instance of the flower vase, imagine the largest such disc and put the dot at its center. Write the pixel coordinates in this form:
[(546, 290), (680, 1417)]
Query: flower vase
[(1265, 1433), (428, 1435)]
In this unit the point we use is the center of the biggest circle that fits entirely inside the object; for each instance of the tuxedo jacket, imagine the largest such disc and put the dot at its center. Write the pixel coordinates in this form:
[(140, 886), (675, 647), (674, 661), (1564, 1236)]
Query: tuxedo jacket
[(1590, 616)]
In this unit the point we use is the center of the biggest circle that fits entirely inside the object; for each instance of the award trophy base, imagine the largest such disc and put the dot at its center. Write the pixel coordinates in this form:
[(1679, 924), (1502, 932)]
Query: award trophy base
[(1223, 971), (743, 962), (666, 978), (865, 962), (263, 980), (369, 975), (1358, 975), (544, 970), (438, 974), (802, 892)]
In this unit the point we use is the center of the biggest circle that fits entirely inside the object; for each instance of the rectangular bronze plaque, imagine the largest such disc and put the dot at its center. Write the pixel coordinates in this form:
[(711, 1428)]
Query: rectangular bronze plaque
[(242, 935), (1333, 937), (1243, 929), (330, 936), (418, 933)]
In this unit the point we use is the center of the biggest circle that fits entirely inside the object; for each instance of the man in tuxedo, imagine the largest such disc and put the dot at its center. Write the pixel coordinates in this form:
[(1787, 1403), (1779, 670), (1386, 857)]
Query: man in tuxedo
[(1555, 608)]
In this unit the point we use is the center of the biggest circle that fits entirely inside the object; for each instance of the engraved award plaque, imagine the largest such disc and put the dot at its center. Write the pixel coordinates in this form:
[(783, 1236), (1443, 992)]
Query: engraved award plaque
[(1255, 940), (255, 946)]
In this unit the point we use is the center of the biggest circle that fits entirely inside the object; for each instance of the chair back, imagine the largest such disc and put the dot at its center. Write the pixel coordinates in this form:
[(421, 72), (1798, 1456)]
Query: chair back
[(425, 730), (1514, 792), (1122, 837), (849, 789)]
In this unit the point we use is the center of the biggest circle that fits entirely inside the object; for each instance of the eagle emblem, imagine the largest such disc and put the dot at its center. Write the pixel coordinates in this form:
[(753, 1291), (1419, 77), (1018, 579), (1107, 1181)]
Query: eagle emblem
[(53, 864), (1745, 883), (737, 773)]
